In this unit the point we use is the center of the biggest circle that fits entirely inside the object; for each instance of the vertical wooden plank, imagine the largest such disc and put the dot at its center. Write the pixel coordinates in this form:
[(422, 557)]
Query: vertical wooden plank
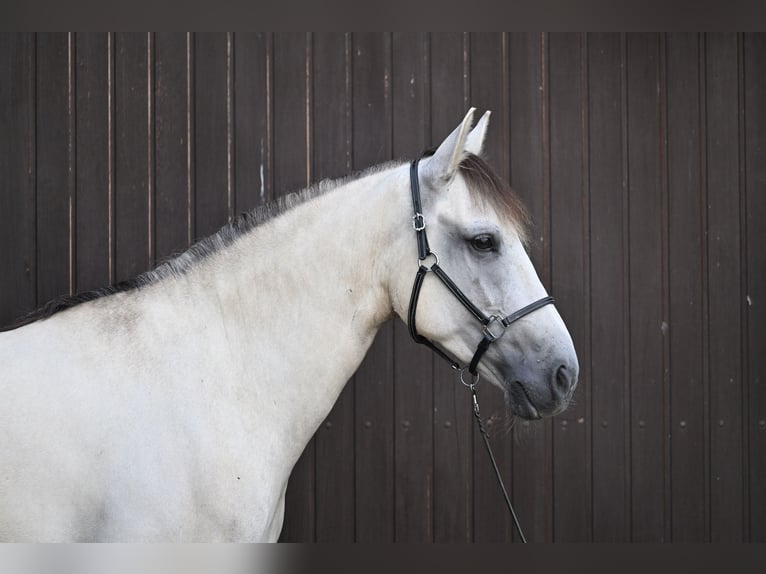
[(172, 165), (292, 156), (570, 279), (488, 79), (607, 261), (755, 194), (492, 522), (55, 164), (332, 158), (252, 113), (331, 130), (532, 493), (724, 300), (291, 146), (647, 327), (374, 386), (94, 150), (688, 506), (413, 364), (453, 421), (17, 174), (213, 188), (132, 153)]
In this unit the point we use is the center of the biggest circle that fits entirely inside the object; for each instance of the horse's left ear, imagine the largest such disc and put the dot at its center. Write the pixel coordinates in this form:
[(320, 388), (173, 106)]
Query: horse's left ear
[(445, 161), (461, 142)]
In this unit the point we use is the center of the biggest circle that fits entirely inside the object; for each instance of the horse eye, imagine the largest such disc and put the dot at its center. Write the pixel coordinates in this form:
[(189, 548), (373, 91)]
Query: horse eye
[(483, 242)]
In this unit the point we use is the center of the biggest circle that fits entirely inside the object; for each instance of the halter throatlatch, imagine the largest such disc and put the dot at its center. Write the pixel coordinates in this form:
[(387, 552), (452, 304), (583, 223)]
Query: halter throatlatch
[(493, 326)]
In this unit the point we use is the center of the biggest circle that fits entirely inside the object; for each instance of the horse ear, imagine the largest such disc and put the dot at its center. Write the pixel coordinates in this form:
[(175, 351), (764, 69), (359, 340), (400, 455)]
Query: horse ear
[(475, 140), (450, 153)]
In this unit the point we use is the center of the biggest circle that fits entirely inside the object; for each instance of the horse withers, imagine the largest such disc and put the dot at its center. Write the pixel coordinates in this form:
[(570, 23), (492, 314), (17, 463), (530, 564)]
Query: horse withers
[(174, 407)]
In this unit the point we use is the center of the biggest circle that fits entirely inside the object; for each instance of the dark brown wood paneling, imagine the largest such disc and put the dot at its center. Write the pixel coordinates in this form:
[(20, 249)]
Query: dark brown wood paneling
[(94, 230), (172, 140), (685, 297), (724, 288), (647, 324), (754, 116), (292, 172), (570, 280), (608, 260), (55, 164), (374, 387), (453, 420), (17, 170), (133, 158), (331, 148), (413, 364), (531, 452), (637, 155), (213, 184)]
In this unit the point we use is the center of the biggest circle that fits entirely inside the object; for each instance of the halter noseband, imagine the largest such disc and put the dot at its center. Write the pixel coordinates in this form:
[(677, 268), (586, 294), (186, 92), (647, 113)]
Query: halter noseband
[(493, 326)]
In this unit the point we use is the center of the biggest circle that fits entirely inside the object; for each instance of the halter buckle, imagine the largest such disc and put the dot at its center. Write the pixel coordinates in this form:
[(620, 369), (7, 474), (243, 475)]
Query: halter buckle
[(418, 222), (487, 331)]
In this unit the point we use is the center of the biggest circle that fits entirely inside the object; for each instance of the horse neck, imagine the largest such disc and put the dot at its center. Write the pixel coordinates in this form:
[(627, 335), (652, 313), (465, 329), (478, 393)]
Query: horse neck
[(304, 294)]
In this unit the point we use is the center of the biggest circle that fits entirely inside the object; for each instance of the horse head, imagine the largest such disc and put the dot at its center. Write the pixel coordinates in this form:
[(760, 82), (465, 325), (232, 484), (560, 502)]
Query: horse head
[(476, 245)]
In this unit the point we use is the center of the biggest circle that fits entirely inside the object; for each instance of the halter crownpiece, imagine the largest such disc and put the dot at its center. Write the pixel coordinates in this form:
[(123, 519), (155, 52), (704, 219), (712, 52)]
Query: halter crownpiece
[(493, 326)]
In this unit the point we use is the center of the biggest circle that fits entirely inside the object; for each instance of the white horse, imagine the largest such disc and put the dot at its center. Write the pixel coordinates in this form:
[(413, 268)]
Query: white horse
[(175, 407)]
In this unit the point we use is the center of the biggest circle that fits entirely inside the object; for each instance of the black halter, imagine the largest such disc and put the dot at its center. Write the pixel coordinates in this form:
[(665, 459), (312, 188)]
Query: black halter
[(494, 326)]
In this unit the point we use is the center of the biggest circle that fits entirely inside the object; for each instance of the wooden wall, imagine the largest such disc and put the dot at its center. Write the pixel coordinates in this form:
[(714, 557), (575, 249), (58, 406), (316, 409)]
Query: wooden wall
[(641, 158)]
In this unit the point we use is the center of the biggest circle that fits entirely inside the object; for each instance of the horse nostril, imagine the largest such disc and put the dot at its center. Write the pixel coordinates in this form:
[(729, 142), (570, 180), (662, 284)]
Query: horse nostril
[(563, 380)]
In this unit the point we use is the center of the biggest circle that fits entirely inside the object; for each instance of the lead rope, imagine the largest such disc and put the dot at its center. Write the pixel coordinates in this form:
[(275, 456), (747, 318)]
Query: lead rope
[(485, 436)]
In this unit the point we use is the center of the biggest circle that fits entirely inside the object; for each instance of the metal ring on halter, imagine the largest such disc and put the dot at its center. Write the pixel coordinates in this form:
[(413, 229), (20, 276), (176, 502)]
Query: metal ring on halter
[(432, 254), (475, 380), (487, 331)]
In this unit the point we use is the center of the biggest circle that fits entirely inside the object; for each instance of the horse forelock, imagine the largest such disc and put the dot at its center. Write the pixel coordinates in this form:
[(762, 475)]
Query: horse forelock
[(487, 185)]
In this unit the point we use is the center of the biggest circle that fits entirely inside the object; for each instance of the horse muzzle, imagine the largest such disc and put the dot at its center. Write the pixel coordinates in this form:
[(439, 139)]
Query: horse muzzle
[(547, 392)]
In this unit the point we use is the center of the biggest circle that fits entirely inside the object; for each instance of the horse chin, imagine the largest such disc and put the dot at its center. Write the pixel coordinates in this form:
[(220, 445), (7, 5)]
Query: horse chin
[(519, 402)]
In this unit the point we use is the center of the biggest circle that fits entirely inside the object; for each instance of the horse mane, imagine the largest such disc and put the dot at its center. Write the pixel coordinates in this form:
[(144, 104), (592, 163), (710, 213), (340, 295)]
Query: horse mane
[(480, 177)]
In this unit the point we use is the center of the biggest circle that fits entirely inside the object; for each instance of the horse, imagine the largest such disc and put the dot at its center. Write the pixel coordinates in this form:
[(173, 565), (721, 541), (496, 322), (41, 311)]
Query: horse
[(174, 407)]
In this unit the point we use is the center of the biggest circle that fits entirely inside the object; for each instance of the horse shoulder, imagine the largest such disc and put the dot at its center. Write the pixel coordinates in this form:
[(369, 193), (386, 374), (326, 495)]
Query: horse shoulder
[(109, 430)]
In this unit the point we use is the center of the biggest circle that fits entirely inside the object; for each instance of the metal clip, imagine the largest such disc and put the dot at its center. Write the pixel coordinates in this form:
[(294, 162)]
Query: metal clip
[(418, 222)]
